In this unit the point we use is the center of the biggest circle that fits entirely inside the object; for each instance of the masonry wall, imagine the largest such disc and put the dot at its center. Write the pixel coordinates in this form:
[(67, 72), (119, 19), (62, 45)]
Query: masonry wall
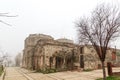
[(40, 48)]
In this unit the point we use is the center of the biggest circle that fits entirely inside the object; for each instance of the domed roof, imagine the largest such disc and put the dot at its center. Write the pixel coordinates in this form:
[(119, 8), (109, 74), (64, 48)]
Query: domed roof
[(65, 40)]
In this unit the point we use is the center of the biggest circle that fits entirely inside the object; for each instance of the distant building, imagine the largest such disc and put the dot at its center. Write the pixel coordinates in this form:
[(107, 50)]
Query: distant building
[(18, 59), (42, 51)]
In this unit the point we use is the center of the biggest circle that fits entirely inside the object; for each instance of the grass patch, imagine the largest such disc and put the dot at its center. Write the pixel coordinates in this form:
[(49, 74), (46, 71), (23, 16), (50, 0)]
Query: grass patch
[(52, 70), (88, 70), (1, 70), (47, 71), (110, 78)]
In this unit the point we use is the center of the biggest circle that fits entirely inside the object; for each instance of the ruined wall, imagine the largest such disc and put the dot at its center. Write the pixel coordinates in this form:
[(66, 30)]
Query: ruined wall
[(49, 48), (39, 48), (30, 43), (91, 59)]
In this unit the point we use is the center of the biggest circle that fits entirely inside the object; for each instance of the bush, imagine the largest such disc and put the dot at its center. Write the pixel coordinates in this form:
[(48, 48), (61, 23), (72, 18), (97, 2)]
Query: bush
[(87, 70), (47, 71), (52, 70)]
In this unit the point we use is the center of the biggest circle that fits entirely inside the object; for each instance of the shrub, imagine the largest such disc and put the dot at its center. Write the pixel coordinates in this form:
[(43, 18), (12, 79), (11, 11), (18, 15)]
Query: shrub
[(87, 70), (46, 71)]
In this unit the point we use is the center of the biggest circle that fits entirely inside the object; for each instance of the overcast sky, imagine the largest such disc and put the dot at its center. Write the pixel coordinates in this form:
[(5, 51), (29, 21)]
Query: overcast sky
[(51, 17)]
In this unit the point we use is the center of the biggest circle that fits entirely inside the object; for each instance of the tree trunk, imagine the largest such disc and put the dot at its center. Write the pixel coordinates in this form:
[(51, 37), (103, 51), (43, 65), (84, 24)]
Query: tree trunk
[(104, 72)]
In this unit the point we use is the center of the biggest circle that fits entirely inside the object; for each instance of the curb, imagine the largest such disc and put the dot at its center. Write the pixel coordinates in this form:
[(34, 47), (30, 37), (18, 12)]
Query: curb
[(25, 75), (51, 76)]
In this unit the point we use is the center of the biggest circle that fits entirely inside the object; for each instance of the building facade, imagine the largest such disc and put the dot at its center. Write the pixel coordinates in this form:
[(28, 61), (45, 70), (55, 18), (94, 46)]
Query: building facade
[(42, 51)]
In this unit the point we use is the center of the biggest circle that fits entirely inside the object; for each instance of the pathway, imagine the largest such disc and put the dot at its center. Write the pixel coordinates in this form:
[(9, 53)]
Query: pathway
[(15, 73)]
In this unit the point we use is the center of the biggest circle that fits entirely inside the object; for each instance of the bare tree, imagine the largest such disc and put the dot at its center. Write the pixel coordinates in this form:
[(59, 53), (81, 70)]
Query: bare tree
[(6, 15), (100, 29), (5, 59)]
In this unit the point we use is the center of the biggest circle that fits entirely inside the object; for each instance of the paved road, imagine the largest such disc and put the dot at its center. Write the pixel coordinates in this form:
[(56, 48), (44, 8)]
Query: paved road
[(14, 73)]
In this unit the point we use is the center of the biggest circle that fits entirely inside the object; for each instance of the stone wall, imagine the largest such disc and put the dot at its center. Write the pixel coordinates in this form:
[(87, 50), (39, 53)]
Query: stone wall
[(42, 51), (40, 48), (91, 59)]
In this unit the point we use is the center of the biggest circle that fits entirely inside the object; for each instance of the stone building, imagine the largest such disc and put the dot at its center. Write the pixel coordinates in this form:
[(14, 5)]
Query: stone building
[(91, 59), (42, 51)]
